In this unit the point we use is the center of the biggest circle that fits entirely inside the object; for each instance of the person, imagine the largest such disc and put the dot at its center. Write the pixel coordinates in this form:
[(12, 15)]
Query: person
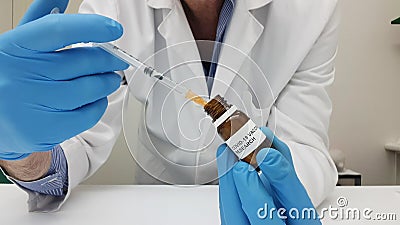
[(60, 126)]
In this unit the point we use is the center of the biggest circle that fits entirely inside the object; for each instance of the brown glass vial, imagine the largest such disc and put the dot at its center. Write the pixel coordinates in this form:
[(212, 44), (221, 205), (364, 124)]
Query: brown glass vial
[(238, 131)]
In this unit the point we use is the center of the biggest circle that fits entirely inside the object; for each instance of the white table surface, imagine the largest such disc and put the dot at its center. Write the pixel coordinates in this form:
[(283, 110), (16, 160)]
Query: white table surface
[(167, 205)]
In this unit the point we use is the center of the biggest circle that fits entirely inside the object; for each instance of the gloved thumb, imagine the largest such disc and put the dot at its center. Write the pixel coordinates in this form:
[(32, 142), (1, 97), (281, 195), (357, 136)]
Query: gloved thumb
[(282, 176), (277, 143), (275, 166), (226, 159), (40, 8)]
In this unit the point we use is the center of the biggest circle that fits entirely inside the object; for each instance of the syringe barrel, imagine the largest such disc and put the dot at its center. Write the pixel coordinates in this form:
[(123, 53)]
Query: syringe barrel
[(151, 72), (126, 57)]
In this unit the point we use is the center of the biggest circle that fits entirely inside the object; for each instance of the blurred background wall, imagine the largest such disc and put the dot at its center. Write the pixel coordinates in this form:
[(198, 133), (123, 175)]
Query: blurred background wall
[(366, 91)]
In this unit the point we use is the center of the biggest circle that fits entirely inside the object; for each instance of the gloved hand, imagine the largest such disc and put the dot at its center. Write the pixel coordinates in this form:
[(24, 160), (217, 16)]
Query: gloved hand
[(247, 198), (48, 96)]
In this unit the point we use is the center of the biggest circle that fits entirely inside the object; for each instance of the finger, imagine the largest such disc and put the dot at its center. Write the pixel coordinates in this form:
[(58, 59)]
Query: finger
[(60, 125), (269, 189), (277, 143), (256, 201), (72, 63), (40, 8), (230, 206), (289, 191), (80, 91), (54, 32), (72, 123), (226, 159)]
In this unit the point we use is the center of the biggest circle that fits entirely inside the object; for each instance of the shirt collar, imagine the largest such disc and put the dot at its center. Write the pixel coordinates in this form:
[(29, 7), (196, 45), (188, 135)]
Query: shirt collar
[(251, 4)]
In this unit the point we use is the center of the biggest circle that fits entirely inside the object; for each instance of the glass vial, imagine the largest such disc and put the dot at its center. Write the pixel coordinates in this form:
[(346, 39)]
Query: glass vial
[(238, 131)]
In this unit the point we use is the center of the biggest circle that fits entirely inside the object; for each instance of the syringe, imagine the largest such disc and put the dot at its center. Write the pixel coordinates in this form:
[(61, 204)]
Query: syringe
[(148, 70), (151, 72)]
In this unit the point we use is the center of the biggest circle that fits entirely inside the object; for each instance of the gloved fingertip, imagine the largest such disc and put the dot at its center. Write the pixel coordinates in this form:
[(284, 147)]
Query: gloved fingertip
[(275, 166), (116, 85), (241, 167), (94, 111), (267, 132), (113, 82), (271, 157), (225, 159), (115, 27), (63, 4), (126, 66), (261, 155), (221, 149)]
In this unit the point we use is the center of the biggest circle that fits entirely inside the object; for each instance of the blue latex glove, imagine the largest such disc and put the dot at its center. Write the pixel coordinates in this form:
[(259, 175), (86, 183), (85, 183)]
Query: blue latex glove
[(48, 96), (244, 194)]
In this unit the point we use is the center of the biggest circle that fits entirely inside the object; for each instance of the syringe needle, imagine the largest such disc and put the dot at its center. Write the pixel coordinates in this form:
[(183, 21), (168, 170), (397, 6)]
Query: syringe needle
[(187, 93), (172, 85), (131, 60)]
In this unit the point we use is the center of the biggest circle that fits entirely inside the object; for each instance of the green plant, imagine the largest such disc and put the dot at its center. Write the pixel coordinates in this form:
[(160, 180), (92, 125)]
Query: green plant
[(3, 179), (396, 21)]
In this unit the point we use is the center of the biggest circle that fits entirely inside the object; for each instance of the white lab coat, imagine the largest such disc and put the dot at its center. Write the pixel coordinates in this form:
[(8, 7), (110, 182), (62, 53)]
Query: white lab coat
[(283, 49)]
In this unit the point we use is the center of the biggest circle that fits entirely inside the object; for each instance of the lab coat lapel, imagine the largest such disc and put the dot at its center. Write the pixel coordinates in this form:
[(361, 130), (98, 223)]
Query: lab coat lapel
[(255, 4), (242, 34), (182, 49), (160, 4)]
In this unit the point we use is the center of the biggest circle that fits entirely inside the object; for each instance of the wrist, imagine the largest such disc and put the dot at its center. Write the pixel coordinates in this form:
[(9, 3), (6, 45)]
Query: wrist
[(30, 168)]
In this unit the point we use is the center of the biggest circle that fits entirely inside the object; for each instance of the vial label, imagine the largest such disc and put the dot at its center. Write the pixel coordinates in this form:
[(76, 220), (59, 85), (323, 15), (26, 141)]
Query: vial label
[(246, 139)]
